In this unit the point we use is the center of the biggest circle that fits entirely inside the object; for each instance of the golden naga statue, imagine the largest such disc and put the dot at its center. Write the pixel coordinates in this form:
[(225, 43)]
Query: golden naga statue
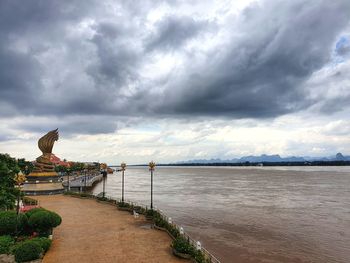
[(46, 142), (43, 163)]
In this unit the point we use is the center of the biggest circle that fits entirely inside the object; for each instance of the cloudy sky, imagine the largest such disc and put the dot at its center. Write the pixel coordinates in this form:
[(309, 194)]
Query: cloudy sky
[(175, 80)]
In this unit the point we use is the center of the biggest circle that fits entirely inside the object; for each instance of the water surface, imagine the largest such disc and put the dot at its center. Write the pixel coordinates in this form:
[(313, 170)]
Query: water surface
[(245, 214)]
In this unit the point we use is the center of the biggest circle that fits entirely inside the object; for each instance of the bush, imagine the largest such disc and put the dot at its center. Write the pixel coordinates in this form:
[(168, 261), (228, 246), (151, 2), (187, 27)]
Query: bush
[(27, 250), (198, 256), (43, 242), (123, 204), (29, 201), (33, 211), (5, 243), (173, 230), (44, 221), (181, 245), (150, 213), (160, 222), (8, 221)]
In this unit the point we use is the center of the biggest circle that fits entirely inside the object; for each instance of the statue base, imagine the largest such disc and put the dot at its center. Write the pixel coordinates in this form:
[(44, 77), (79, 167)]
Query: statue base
[(43, 183)]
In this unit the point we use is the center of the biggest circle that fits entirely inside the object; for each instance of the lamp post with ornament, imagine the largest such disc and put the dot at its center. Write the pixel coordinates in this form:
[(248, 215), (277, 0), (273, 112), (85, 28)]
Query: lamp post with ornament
[(152, 165), (104, 176), (123, 166), (19, 179)]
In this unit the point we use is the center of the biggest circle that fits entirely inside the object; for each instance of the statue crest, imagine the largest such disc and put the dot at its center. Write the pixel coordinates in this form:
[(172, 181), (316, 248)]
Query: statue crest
[(46, 142)]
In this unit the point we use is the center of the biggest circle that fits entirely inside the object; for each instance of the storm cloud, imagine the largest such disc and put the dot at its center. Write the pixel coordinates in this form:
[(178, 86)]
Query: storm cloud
[(63, 59)]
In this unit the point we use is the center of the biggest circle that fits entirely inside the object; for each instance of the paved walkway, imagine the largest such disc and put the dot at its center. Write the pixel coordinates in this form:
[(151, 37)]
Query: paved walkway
[(98, 233)]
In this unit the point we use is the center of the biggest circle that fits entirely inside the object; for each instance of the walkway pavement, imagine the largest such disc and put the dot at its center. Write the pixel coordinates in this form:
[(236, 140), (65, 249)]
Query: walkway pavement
[(98, 233)]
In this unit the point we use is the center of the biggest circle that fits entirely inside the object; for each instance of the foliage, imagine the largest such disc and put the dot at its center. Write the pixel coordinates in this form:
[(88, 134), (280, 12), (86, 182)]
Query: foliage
[(44, 221), (8, 193), (173, 230), (29, 201), (27, 251), (123, 204), (61, 168), (8, 221), (77, 166), (181, 245), (43, 242), (150, 213), (5, 243), (199, 256), (30, 212), (25, 166), (160, 222), (71, 193)]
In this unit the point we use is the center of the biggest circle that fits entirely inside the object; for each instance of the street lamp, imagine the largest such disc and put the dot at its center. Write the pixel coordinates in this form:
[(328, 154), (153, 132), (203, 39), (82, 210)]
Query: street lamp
[(123, 166), (104, 174), (85, 171), (19, 179), (152, 165), (68, 173)]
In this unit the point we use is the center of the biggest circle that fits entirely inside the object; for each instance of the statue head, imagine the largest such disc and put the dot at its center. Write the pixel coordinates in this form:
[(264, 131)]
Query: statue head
[(46, 142)]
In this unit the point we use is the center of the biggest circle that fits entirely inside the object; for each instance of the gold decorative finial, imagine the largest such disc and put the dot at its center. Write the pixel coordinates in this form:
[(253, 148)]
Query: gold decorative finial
[(20, 178), (152, 165)]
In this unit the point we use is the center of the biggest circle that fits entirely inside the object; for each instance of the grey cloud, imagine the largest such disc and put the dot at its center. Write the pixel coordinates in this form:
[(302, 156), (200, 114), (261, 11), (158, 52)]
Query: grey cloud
[(343, 50), (173, 31), (70, 126), (257, 72), (260, 74)]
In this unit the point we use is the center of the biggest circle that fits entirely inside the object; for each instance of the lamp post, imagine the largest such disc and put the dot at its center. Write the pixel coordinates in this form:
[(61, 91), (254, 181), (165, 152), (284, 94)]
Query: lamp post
[(85, 171), (68, 173), (104, 174), (151, 165), (123, 166), (19, 179)]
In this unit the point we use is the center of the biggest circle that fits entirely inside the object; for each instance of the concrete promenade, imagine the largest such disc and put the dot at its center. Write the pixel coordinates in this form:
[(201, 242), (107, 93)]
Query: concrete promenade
[(99, 233)]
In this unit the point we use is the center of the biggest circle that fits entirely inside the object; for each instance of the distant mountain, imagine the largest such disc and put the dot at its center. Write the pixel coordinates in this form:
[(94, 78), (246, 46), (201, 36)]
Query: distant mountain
[(264, 158)]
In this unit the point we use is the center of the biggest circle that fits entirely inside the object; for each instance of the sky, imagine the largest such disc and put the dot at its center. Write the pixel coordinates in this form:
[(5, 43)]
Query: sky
[(168, 81)]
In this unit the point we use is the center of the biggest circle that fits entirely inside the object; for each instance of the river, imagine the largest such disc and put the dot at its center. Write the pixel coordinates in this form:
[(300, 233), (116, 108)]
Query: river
[(250, 215)]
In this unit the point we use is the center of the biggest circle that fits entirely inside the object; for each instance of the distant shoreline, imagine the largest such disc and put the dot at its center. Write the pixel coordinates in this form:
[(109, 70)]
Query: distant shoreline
[(257, 164)]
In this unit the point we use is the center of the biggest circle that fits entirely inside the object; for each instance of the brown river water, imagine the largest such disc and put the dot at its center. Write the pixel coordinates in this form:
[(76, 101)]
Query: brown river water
[(250, 215)]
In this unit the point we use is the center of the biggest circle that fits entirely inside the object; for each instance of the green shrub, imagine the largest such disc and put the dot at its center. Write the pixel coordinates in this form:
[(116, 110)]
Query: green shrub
[(5, 243), (33, 211), (44, 221), (199, 256), (44, 242), (27, 250), (150, 212), (173, 230), (29, 201), (8, 221), (123, 204), (181, 245), (160, 222)]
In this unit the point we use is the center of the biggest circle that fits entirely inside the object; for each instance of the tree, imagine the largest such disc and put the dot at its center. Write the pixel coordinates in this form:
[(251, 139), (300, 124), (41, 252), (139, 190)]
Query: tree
[(61, 168), (25, 166), (8, 193)]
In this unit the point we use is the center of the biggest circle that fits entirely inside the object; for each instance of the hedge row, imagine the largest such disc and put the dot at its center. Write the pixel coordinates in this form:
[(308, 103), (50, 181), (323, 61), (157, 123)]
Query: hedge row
[(38, 219)]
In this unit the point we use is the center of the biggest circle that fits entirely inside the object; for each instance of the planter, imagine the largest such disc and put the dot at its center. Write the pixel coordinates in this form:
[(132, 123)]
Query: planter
[(149, 218), (105, 202), (159, 228), (181, 255), (124, 209)]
